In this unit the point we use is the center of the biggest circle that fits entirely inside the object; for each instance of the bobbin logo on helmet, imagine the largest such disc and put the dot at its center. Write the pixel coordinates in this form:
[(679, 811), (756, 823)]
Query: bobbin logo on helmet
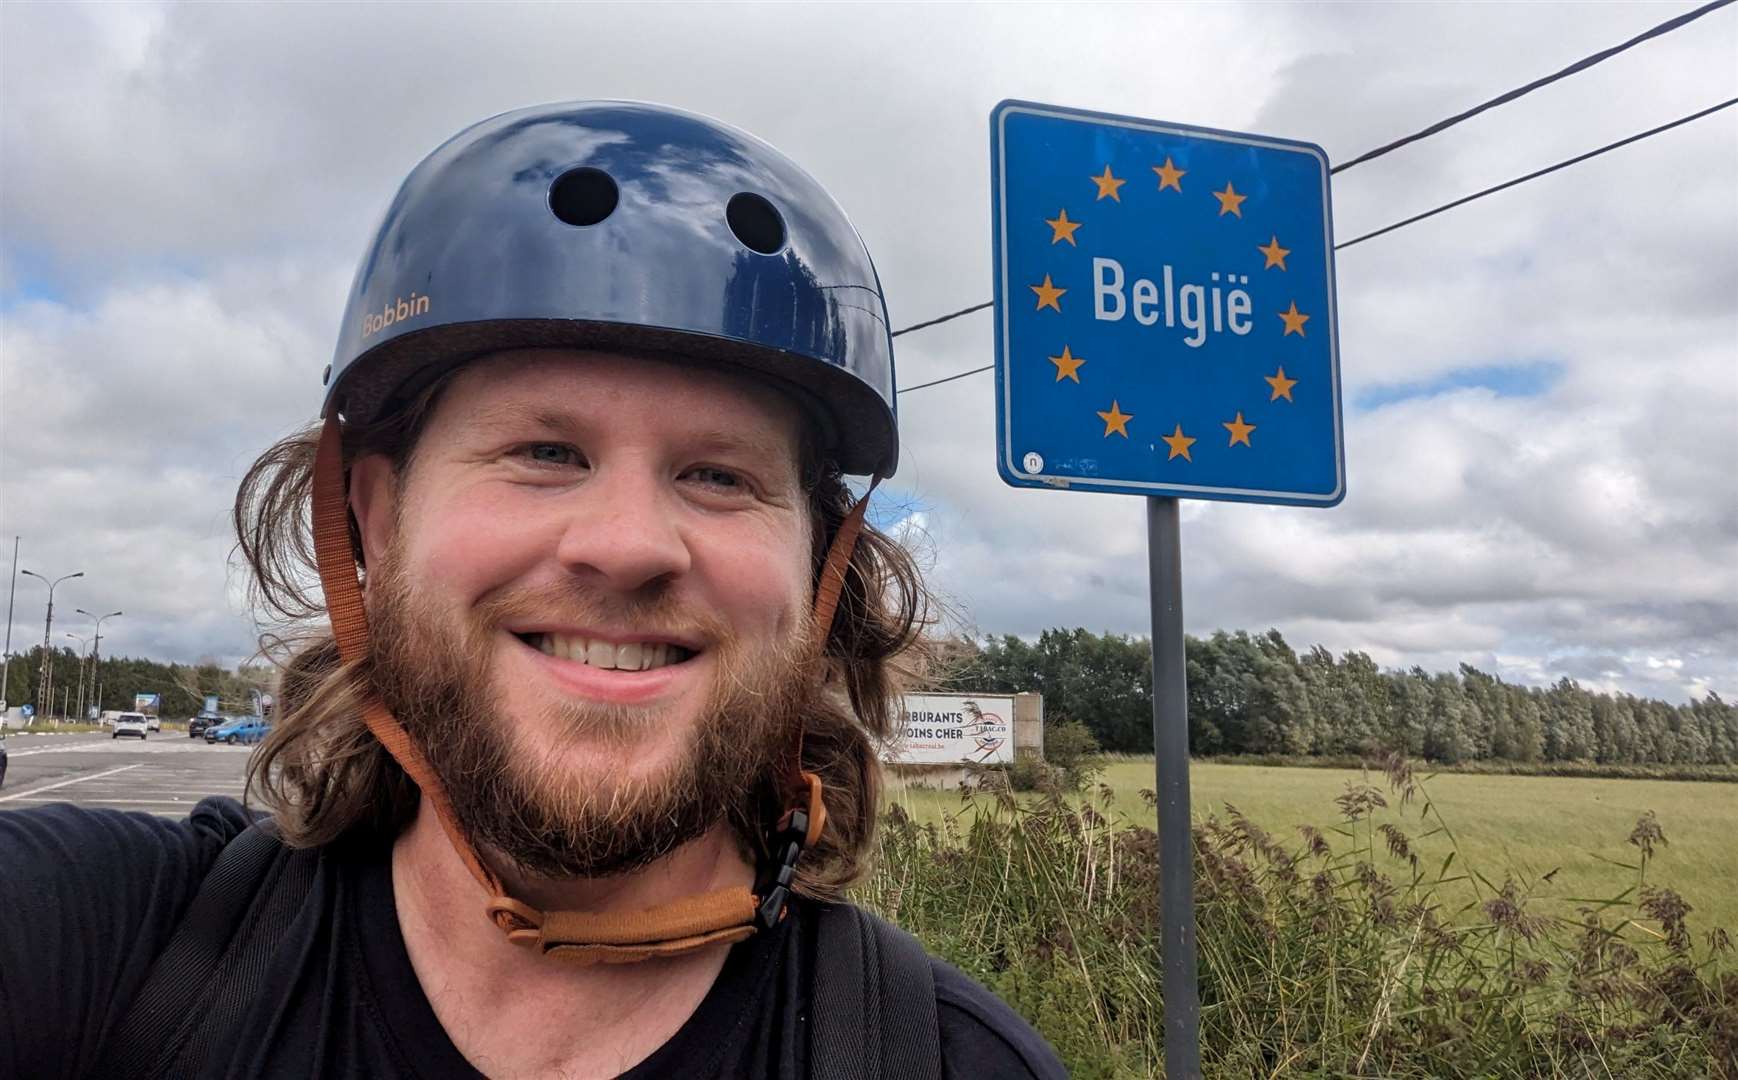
[(628, 227)]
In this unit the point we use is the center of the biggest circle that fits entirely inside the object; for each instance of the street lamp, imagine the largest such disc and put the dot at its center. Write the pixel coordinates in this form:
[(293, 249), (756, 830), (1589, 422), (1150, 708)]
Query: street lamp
[(43, 705), (96, 655), (83, 649)]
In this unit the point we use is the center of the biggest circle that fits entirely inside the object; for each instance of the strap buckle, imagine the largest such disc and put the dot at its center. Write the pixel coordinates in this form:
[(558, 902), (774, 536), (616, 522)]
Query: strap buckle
[(798, 830), (772, 885)]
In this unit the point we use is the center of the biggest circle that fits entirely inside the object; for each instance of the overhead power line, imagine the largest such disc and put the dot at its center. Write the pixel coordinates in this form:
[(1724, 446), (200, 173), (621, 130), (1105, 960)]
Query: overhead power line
[(1462, 201), (1580, 65), (944, 318), (1502, 99), (956, 375)]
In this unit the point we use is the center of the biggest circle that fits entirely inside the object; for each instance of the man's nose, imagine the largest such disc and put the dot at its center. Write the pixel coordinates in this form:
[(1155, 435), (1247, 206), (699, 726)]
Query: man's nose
[(623, 530)]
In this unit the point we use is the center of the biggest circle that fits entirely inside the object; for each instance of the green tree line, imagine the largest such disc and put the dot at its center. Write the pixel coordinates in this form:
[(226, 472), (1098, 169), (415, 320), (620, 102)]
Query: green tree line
[(120, 678), (1253, 694)]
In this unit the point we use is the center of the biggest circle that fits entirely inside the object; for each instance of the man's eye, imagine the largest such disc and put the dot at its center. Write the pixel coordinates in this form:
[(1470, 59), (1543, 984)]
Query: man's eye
[(552, 454), (718, 478)]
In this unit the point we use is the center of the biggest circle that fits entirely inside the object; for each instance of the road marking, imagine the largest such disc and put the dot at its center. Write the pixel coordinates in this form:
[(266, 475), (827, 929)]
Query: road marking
[(103, 747), (64, 783), (185, 804)]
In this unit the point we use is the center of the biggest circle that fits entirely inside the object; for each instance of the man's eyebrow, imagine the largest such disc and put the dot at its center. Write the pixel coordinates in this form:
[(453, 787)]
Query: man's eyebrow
[(540, 417), (522, 415), (744, 440)]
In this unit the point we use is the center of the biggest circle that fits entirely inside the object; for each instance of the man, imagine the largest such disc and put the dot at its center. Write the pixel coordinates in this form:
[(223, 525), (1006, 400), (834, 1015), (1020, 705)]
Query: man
[(566, 787)]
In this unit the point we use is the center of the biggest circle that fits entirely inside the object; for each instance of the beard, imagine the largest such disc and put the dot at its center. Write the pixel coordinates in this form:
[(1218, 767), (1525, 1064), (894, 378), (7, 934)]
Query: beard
[(560, 821)]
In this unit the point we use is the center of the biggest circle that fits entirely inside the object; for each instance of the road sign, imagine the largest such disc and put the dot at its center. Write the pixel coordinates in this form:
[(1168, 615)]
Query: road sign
[(1164, 309), (948, 729), (1164, 327)]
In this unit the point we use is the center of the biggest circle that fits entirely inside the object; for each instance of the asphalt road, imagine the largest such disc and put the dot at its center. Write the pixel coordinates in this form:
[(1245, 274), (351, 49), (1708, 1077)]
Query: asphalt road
[(165, 774)]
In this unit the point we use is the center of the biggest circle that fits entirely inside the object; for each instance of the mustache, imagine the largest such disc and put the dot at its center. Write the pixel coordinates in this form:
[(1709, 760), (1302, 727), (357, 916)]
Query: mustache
[(654, 611)]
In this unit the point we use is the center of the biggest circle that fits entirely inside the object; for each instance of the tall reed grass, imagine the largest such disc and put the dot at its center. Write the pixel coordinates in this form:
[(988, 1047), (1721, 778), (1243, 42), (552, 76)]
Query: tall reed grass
[(1313, 961)]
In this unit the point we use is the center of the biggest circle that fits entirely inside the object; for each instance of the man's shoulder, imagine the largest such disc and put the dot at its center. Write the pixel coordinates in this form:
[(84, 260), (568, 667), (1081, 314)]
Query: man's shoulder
[(61, 838), (99, 893), (114, 877), (978, 1034), (982, 1036)]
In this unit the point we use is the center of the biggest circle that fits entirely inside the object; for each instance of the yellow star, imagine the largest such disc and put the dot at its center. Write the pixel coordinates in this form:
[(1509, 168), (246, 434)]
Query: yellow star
[(1229, 201), (1169, 175), (1239, 430), (1048, 294), (1063, 229), (1115, 420), (1294, 320), (1068, 366), (1179, 444), (1107, 185), (1281, 385), (1275, 254)]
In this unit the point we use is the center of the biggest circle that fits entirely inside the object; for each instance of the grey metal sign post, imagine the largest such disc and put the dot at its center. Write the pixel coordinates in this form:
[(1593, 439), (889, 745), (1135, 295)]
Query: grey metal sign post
[(1164, 327), (1171, 756)]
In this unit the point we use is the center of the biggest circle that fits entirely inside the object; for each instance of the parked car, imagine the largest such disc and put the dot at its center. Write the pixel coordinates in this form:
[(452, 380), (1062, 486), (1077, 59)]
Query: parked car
[(197, 725), (130, 723), (242, 729), (153, 723)]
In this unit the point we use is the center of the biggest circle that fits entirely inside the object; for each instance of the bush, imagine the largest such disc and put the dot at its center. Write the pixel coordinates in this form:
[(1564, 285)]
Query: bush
[(1030, 773), (1072, 753), (1069, 744)]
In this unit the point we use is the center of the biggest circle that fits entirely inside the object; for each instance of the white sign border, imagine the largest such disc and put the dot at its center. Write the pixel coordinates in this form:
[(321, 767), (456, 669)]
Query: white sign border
[(1003, 358)]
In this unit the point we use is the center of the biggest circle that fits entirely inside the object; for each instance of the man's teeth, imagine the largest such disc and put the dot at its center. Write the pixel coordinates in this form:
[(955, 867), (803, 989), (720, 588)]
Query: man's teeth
[(628, 656)]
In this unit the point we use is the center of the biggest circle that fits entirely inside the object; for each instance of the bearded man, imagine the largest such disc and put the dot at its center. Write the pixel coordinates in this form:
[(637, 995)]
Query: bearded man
[(574, 782)]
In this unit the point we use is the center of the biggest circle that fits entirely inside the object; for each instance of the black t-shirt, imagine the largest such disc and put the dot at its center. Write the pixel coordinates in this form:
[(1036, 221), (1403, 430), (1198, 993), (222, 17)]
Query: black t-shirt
[(89, 898)]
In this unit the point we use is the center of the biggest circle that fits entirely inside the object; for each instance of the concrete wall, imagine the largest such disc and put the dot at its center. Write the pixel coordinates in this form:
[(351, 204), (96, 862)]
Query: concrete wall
[(1029, 725)]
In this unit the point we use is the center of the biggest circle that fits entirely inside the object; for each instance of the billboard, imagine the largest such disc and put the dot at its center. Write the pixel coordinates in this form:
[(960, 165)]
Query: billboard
[(211, 707), (948, 729), (147, 703)]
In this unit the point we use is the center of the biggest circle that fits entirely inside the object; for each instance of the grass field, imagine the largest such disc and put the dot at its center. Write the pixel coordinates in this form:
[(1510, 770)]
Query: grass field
[(1520, 826)]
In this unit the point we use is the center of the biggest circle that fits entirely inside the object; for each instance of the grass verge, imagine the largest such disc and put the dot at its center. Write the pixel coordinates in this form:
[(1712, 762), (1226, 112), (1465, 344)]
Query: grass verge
[(1342, 952)]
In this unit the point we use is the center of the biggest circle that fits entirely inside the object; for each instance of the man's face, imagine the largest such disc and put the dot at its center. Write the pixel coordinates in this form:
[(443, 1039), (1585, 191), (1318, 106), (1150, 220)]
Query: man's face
[(588, 598)]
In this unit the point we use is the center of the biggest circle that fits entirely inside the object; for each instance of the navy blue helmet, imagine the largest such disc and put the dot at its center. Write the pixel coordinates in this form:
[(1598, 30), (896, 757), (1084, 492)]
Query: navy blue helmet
[(626, 227)]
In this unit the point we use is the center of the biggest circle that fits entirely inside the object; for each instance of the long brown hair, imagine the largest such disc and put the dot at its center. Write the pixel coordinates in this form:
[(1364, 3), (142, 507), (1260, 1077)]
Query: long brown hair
[(322, 772)]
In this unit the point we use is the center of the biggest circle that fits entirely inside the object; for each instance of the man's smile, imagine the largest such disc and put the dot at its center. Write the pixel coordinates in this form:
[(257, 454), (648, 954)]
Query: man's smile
[(621, 669), (599, 652)]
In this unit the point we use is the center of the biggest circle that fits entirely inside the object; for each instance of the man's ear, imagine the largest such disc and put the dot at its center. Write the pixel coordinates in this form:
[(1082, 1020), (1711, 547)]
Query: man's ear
[(374, 504)]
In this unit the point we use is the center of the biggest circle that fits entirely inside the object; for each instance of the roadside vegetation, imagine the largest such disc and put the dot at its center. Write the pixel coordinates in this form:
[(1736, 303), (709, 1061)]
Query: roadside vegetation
[(55, 728), (1586, 770), (1254, 694), (1370, 945), (121, 678)]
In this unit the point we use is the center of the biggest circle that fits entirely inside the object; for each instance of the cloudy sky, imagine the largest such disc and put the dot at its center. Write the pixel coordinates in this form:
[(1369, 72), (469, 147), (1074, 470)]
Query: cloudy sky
[(1541, 389)]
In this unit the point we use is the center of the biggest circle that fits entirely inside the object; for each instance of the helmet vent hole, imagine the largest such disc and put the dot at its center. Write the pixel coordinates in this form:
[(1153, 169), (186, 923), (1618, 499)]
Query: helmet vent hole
[(756, 223), (583, 196)]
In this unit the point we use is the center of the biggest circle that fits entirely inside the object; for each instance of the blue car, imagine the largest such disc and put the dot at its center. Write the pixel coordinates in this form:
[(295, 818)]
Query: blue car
[(241, 729)]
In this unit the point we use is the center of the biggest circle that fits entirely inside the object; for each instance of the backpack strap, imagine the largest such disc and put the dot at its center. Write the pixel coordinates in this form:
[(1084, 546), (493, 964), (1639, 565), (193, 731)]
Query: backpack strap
[(873, 1006), (183, 1019)]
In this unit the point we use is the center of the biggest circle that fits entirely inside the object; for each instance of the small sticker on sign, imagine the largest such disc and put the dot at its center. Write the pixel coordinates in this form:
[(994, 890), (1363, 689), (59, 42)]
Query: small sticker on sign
[(1033, 462)]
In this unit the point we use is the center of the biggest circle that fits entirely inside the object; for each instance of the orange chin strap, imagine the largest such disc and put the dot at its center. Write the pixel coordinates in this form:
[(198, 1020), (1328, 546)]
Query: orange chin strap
[(674, 929)]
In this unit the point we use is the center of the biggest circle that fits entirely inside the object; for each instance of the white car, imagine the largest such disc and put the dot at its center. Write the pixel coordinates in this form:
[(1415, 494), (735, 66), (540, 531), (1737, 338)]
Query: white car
[(153, 723), (131, 723)]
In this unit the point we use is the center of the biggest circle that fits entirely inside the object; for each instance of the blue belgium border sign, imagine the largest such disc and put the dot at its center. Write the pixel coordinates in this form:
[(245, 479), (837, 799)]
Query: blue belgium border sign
[(1164, 309), (1164, 327)]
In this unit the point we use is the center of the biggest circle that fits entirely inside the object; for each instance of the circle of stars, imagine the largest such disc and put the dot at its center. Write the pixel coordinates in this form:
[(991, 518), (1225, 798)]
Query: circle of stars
[(1107, 185)]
